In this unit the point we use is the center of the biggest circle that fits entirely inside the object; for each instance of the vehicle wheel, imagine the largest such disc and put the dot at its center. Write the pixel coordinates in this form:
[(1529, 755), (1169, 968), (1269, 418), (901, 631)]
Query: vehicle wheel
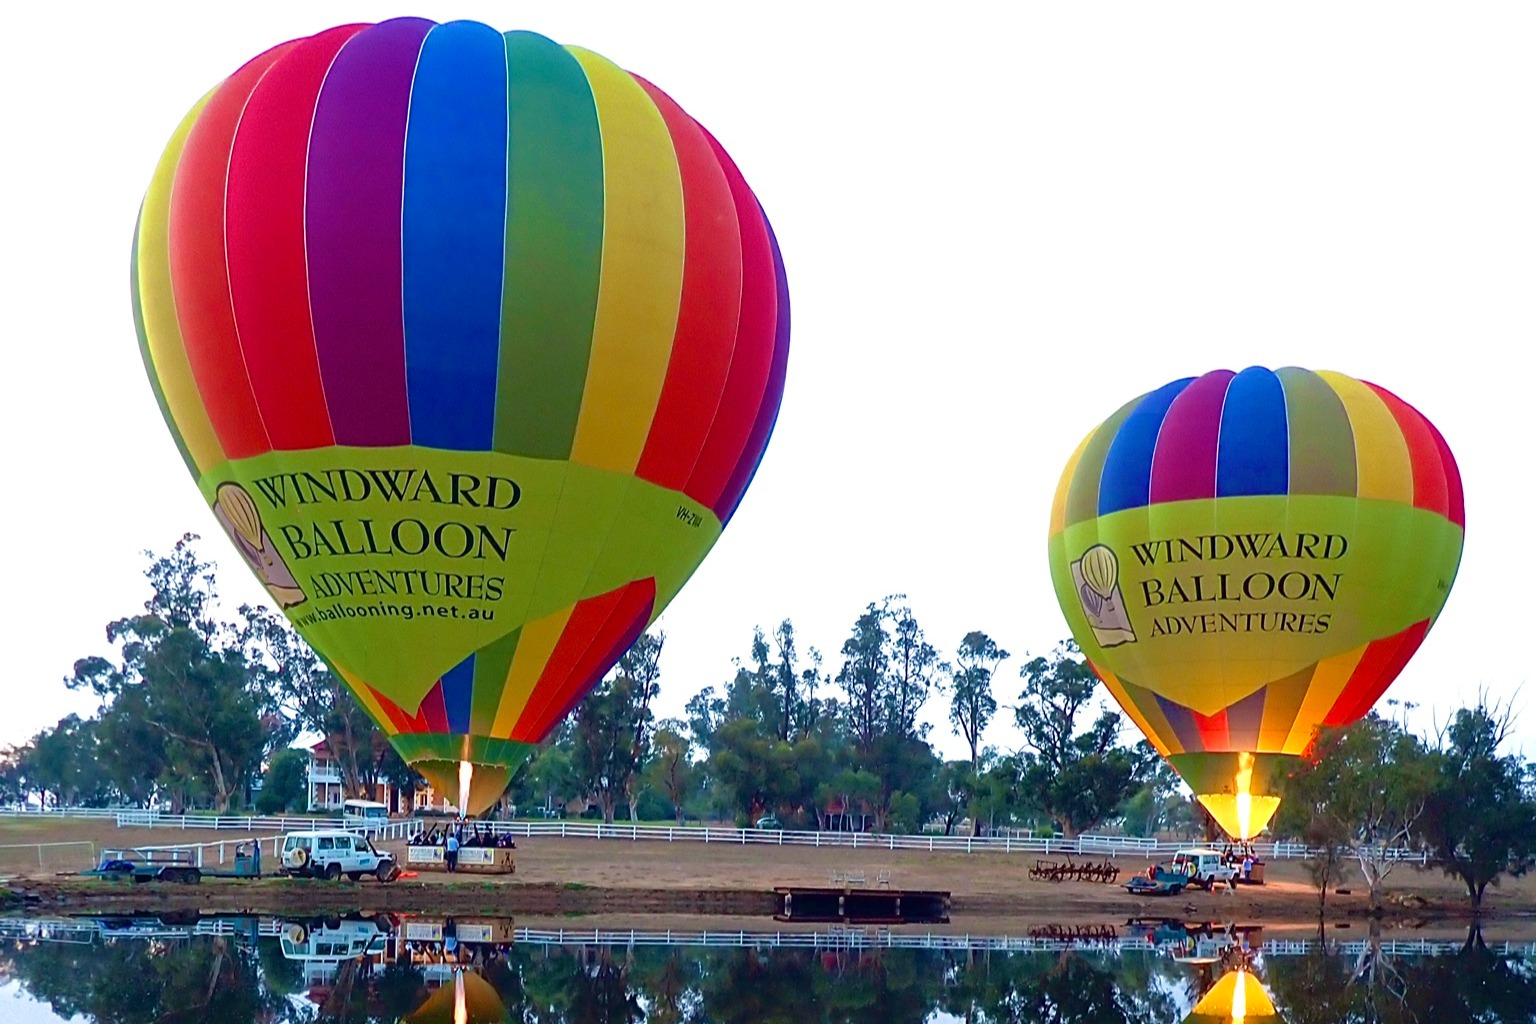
[(332, 924), (354, 875), (190, 876), (332, 871), (387, 871)]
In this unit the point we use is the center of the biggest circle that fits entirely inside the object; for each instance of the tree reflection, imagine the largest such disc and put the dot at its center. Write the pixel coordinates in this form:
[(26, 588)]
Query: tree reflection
[(231, 979), (137, 982), (1474, 985)]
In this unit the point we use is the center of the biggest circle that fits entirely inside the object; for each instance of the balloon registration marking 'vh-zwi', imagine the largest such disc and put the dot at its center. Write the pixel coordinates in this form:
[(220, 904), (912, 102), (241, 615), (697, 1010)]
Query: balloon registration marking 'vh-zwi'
[(473, 342), (1244, 558)]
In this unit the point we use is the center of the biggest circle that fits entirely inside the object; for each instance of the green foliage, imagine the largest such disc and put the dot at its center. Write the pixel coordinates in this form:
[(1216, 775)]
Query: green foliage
[(192, 704), (613, 726), (671, 771), (1160, 804), (971, 704), (184, 677), (958, 785), (1478, 822), (66, 761), (1359, 793), (550, 781), (283, 787), (1075, 777)]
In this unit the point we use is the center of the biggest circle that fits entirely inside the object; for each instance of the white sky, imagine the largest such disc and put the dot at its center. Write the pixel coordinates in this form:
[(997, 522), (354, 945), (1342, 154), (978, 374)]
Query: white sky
[(999, 224)]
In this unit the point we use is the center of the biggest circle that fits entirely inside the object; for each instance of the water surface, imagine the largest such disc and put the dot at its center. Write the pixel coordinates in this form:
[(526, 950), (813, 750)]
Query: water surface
[(419, 969)]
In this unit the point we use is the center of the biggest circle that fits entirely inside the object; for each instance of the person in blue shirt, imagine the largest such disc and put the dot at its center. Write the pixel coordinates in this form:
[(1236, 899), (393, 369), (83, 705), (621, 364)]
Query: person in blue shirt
[(451, 851)]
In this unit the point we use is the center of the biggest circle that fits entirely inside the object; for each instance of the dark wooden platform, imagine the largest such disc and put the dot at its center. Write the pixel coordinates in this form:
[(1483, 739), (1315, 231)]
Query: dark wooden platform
[(855, 905)]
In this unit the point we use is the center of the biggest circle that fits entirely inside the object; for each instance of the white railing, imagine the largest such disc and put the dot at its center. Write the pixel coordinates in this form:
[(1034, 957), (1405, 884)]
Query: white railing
[(222, 823), (1112, 846), (85, 930), (60, 812), (1094, 845)]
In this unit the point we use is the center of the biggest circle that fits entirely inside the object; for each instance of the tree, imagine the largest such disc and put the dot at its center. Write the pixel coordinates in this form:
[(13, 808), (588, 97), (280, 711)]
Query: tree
[(182, 677), (66, 761), (1478, 822), (308, 697), (552, 780), (958, 785), (887, 673), (1327, 839), (1158, 804), (1075, 779), (283, 787), (671, 769), (914, 666), (613, 725), (1363, 786), (862, 677), (704, 713), (641, 664), (971, 704)]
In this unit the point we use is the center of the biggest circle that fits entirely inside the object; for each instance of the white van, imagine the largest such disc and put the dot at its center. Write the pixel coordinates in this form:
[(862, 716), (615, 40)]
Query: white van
[(331, 853), (1205, 867), (368, 815)]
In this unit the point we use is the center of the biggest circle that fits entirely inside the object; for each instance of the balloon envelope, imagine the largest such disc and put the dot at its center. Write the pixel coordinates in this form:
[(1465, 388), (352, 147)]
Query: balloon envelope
[(1279, 544), (1236, 998), (473, 342)]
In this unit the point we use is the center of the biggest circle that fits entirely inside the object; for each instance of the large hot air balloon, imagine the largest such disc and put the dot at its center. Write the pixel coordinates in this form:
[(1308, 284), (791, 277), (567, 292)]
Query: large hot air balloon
[(1246, 557), (473, 342)]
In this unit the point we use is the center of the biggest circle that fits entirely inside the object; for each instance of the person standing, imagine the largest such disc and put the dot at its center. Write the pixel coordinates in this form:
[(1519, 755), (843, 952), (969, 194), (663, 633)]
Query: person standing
[(451, 851)]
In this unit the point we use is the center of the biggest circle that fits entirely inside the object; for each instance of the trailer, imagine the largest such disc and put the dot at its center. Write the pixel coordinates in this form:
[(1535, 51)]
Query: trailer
[(173, 866)]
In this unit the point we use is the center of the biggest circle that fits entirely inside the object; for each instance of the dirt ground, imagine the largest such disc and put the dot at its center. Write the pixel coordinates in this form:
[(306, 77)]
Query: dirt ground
[(588, 876)]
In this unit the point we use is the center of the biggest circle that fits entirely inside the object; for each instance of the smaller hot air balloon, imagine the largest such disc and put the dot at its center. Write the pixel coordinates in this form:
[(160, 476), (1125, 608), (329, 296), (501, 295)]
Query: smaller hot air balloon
[(1244, 557)]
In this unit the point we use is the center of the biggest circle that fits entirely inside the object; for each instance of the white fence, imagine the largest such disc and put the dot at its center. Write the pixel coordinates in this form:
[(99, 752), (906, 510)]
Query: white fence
[(220, 823), (1086, 845), (86, 930), (62, 856)]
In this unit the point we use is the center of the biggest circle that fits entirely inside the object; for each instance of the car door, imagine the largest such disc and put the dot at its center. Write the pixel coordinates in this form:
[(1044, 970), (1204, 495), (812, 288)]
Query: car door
[(356, 856), (367, 859)]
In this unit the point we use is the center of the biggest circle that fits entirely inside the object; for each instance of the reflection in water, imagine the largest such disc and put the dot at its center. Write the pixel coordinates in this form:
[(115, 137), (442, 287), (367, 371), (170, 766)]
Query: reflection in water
[(1238, 998), (391, 970)]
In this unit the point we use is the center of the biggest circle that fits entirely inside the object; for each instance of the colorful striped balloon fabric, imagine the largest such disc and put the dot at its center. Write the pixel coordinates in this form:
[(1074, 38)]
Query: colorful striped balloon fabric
[(474, 342), (1246, 557)]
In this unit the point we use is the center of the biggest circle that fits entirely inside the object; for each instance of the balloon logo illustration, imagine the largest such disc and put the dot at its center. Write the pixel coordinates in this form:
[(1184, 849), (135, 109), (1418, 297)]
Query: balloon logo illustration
[(236, 511), (473, 342), (1245, 557), (1097, 575)]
